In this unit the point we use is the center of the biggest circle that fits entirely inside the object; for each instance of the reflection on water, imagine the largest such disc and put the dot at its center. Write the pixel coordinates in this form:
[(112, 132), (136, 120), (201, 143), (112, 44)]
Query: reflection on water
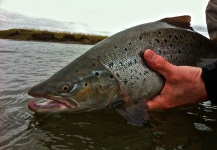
[(24, 64)]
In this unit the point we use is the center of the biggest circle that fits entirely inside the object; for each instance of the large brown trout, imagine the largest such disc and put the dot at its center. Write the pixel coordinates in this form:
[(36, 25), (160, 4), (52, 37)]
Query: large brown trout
[(114, 73)]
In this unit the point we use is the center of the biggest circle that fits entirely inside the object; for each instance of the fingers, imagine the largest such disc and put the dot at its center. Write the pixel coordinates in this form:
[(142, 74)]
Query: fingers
[(158, 103), (158, 63), (155, 103)]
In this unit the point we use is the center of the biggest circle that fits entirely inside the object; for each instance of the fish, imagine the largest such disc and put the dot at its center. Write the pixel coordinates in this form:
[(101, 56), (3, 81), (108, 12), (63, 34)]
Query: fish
[(114, 74)]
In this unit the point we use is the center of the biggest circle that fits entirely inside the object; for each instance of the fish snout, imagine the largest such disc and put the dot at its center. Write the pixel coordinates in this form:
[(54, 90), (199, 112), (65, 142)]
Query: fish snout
[(37, 91)]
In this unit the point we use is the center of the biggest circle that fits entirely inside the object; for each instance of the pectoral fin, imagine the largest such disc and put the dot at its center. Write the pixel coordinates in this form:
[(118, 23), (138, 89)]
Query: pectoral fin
[(134, 113)]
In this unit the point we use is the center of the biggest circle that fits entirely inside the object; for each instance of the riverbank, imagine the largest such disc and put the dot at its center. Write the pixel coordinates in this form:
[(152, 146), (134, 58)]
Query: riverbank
[(48, 36)]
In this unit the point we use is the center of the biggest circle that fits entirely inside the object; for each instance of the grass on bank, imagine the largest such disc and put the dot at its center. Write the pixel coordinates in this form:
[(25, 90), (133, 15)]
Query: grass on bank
[(48, 36)]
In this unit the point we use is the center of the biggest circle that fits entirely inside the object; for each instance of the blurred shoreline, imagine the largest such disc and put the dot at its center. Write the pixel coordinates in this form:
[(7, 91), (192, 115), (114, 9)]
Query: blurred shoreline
[(49, 36)]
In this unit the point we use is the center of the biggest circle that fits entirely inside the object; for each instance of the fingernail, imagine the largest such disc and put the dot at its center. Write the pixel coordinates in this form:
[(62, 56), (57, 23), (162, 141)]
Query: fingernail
[(151, 55)]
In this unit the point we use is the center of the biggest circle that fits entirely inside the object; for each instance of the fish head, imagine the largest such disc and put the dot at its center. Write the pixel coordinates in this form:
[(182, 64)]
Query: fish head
[(80, 86)]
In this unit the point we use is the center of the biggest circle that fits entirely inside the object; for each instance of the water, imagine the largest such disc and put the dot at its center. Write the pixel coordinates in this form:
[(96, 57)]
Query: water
[(24, 64)]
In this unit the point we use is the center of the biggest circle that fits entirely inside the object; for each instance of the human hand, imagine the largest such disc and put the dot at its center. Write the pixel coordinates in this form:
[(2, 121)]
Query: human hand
[(184, 85)]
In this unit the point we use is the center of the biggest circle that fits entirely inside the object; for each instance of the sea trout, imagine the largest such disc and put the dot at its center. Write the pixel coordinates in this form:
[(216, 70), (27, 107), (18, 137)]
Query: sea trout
[(114, 73)]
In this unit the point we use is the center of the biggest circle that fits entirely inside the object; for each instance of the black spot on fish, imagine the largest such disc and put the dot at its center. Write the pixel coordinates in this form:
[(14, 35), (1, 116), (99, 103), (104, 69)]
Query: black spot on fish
[(130, 43), (194, 46), (111, 76), (164, 52), (179, 51), (170, 36), (85, 84), (135, 61), (176, 37), (100, 86), (96, 73), (172, 46), (125, 81), (184, 34), (145, 72), (165, 41), (140, 38), (141, 55), (98, 57), (125, 49), (159, 32), (130, 64), (76, 70), (93, 64), (117, 75), (180, 37), (121, 63), (157, 40), (115, 47), (111, 65), (159, 52)]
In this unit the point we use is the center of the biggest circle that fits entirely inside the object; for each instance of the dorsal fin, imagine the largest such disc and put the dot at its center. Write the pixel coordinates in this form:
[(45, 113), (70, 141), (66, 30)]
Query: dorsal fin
[(180, 21)]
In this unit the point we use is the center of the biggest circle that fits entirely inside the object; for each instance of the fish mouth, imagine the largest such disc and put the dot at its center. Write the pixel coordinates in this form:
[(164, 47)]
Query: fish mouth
[(54, 104)]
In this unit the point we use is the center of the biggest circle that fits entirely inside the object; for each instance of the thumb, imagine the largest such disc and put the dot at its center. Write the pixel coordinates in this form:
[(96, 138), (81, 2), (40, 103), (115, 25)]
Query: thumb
[(158, 63)]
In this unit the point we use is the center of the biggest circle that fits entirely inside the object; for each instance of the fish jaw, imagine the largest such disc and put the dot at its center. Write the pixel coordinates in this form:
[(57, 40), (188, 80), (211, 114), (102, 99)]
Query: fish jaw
[(53, 104), (49, 107)]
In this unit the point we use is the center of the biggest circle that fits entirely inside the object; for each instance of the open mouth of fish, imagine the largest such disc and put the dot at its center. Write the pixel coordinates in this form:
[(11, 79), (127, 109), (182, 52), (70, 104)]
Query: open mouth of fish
[(54, 104)]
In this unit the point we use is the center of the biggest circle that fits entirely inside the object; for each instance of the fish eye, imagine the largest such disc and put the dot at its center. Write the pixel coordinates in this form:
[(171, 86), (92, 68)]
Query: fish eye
[(65, 87)]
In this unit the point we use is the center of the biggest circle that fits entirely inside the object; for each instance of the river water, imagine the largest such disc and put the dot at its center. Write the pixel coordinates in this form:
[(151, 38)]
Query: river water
[(24, 64)]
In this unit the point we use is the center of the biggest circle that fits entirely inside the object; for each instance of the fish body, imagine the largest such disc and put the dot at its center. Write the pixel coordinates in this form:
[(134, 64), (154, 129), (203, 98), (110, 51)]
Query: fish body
[(114, 73)]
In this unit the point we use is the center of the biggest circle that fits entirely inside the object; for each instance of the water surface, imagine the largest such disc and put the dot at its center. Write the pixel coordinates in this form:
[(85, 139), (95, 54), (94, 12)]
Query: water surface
[(24, 64)]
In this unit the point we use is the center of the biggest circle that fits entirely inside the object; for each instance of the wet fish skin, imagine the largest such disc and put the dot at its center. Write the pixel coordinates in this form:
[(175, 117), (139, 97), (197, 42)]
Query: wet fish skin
[(88, 81), (123, 55), (127, 81)]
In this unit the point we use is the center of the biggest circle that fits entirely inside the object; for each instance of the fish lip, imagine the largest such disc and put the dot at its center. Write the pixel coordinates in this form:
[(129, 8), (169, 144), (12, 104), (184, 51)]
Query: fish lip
[(33, 106), (67, 97)]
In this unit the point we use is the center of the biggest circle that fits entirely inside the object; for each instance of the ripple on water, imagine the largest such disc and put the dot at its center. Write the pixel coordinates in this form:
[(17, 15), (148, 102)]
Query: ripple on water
[(202, 127), (13, 125), (22, 65)]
